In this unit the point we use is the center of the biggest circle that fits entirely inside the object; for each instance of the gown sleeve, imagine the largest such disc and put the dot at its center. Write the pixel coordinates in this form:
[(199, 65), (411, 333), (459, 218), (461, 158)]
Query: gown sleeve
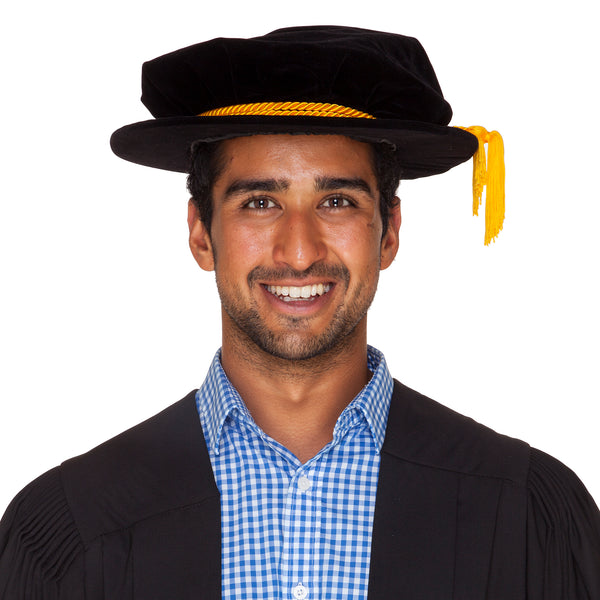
[(40, 547), (563, 534)]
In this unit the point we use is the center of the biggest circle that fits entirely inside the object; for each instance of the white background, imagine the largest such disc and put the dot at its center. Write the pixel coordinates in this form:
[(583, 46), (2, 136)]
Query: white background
[(106, 319)]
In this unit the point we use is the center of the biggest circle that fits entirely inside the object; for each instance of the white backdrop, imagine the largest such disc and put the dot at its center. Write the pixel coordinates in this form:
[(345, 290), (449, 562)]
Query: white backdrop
[(106, 319)]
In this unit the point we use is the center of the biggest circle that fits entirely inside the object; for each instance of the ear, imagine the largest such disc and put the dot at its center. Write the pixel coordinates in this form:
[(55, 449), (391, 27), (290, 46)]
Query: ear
[(200, 242), (390, 239)]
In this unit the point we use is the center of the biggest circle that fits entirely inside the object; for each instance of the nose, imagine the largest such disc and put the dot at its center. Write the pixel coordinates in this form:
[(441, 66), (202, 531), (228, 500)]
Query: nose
[(299, 241)]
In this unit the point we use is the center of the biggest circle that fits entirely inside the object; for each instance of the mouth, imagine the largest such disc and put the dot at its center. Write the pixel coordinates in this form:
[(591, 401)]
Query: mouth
[(293, 293)]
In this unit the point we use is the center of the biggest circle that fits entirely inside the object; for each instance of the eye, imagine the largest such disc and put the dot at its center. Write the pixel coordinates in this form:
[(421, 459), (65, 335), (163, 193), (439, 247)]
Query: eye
[(336, 202), (260, 204)]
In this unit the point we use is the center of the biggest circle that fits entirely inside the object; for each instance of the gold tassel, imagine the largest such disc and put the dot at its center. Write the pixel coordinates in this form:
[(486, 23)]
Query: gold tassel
[(489, 174)]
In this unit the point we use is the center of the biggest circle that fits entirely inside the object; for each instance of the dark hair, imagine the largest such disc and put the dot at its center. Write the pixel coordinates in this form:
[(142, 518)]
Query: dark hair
[(206, 164)]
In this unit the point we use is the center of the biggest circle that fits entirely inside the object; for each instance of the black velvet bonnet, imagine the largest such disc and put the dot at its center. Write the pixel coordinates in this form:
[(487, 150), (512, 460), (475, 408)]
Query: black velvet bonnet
[(386, 79)]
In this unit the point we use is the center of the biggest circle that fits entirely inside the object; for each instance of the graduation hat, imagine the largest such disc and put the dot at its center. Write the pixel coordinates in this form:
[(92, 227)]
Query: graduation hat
[(368, 85)]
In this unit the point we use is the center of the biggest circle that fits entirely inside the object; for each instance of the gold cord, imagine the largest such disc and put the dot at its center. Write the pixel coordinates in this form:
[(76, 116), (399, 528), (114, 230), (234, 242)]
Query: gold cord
[(292, 109)]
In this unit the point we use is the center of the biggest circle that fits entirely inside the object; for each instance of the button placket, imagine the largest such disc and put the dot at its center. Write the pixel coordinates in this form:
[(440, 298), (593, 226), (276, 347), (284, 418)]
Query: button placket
[(299, 539)]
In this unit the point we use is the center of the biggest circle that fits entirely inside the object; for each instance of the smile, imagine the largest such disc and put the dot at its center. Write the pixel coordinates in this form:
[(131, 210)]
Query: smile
[(292, 293)]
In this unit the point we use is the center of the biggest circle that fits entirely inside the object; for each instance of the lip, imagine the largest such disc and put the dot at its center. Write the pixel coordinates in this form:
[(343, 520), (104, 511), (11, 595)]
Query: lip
[(297, 282), (298, 305)]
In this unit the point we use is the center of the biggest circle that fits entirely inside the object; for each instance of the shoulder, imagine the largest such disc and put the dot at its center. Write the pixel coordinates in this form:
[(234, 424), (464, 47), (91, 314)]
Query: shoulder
[(141, 472), (156, 466), (560, 522), (423, 431)]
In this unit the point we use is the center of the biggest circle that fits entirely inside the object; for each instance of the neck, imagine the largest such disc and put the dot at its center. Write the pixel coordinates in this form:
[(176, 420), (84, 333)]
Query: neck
[(297, 402)]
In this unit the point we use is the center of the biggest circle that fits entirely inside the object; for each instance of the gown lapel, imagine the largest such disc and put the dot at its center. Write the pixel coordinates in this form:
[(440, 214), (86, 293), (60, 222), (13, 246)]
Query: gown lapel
[(446, 494)]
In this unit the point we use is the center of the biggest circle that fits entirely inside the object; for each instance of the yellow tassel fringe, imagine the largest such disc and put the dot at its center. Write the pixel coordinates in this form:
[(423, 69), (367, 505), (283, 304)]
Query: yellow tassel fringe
[(489, 174)]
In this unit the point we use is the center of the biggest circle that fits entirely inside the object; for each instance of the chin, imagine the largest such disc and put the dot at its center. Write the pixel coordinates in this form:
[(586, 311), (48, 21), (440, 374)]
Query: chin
[(301, 346)]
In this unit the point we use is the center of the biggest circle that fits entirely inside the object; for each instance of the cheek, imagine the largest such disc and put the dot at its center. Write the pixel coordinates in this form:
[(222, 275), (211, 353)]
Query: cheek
[(357, 245), (238, 246)]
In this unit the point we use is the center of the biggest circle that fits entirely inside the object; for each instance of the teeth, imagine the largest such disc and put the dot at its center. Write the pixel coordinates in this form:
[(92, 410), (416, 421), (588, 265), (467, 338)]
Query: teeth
[(288, 292)]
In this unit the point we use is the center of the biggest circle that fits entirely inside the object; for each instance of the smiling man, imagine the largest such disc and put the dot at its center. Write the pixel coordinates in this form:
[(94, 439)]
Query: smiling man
[(296, 242), (300, 469)]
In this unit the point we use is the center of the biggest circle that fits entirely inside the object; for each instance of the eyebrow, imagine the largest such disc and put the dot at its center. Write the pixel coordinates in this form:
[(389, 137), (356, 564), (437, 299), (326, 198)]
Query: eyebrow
[(243, 186), (323, 183), (326, 184)]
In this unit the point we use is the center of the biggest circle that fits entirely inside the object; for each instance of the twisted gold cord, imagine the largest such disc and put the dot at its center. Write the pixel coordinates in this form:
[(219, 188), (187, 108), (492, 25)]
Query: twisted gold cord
[(284, 109)]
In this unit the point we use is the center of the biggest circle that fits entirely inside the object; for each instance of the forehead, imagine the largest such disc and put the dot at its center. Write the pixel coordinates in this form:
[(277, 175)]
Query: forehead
[(301, 154)]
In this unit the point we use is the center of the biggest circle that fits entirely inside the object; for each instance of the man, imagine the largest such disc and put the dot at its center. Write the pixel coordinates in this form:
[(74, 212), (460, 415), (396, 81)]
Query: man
[(300, 469)]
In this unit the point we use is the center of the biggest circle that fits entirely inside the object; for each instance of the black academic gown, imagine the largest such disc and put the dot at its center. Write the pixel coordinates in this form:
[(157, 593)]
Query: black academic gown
[(461, 513)]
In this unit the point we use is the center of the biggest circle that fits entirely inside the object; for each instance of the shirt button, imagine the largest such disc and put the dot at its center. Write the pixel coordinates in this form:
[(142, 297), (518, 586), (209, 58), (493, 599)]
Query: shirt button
[(304, 483), (300, 592)]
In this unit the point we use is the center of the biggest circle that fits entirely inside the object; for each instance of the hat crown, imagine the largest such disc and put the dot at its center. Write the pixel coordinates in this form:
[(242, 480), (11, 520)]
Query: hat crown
[(384, 74)]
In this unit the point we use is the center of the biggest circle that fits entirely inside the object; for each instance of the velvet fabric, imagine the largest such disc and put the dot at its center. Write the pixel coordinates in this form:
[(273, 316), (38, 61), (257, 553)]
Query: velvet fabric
[(461, 513), (386, 75)]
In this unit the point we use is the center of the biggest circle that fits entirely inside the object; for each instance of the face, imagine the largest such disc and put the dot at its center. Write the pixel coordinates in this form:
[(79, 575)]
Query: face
[(295, 242)]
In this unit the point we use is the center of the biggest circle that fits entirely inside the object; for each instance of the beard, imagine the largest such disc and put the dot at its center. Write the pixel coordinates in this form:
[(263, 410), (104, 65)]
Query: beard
[(293, 339)]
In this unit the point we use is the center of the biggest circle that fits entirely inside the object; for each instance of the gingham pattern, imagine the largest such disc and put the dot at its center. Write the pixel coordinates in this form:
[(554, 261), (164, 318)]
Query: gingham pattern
[(293, 531)]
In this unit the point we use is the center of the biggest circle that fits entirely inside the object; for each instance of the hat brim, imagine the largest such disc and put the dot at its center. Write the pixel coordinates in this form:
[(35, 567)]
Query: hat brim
[(164, 143)]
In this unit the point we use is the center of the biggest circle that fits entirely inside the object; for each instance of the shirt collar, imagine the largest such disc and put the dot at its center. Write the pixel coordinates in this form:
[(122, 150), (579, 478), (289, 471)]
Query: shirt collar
[(373, 401), (217, 399)]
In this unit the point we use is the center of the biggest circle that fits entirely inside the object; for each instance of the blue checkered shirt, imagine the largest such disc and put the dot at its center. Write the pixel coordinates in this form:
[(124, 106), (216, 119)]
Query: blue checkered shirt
[(292, 530)]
